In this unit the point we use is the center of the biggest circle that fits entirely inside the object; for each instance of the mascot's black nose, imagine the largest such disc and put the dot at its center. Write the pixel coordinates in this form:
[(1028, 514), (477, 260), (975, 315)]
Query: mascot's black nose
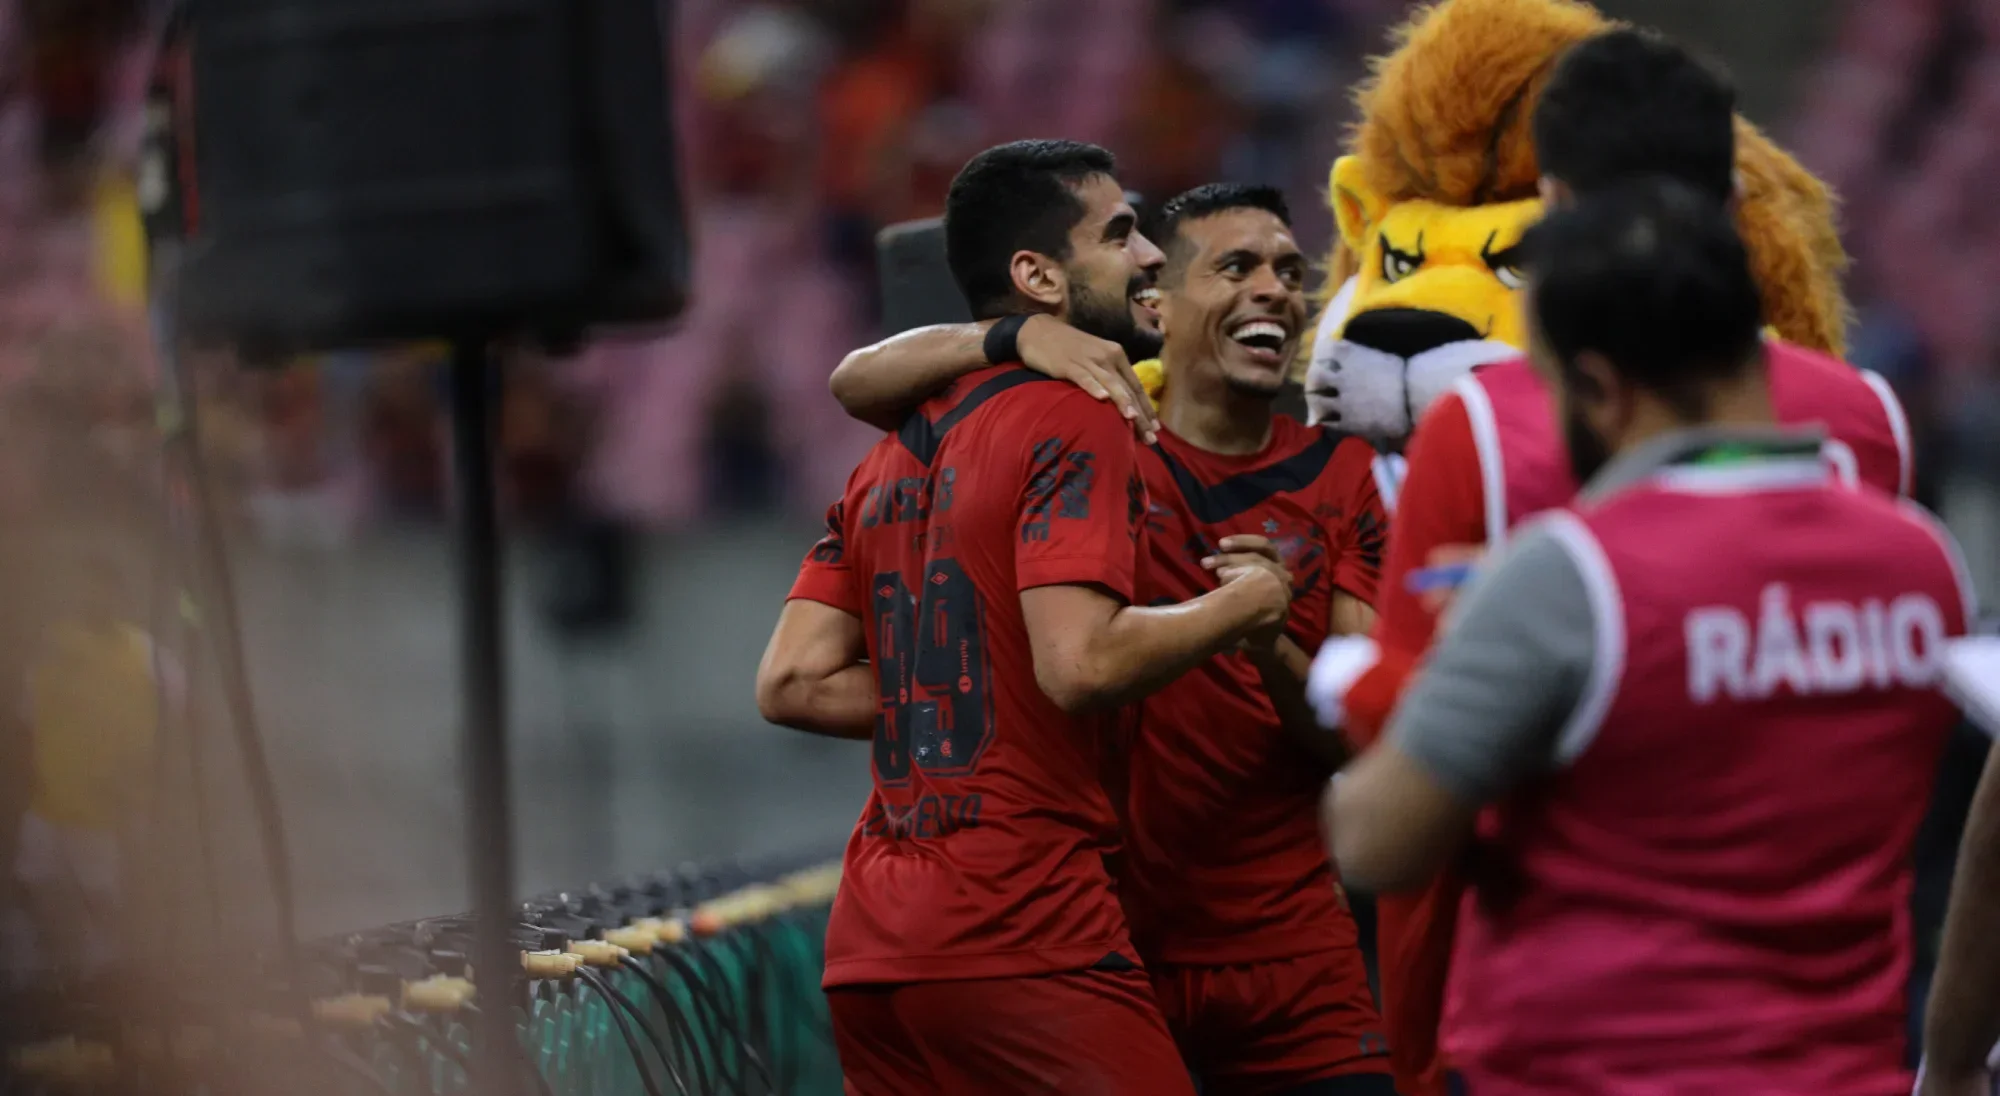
[(1407, 332)]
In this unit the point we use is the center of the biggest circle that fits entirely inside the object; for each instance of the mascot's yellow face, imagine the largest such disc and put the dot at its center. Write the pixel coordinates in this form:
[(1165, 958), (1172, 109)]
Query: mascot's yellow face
[(1435, 294), (1429, 274)]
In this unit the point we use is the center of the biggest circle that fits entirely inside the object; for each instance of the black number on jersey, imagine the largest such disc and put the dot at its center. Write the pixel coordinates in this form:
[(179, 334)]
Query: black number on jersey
[(1059, 487), (932, 673)]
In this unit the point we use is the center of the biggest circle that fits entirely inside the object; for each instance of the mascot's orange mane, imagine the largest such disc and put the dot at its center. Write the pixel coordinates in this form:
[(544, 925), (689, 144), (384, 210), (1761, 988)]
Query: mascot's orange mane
[(1445, 117)]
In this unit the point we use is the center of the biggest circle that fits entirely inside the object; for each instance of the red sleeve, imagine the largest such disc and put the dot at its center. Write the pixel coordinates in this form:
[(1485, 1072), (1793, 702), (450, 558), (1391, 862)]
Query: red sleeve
[(1081, 499), (1442, 503), (825, 576), (1892, 468), (1364, 522)]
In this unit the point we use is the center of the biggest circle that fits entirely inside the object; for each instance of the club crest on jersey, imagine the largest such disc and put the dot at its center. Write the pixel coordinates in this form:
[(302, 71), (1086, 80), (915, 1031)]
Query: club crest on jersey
[(1300, 544), (1302, 549)]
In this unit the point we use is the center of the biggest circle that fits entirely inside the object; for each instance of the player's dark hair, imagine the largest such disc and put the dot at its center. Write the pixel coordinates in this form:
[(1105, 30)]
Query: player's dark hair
[(1653, 277), (1014, 197), (1203, 201), (1630, 102)]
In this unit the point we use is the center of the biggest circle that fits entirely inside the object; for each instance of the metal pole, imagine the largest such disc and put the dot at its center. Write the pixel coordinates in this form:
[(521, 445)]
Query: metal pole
[(483, 678)]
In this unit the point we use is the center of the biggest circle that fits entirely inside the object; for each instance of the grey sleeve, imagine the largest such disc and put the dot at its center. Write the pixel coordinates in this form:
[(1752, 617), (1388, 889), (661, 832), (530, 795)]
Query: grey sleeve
[(1489, 704)]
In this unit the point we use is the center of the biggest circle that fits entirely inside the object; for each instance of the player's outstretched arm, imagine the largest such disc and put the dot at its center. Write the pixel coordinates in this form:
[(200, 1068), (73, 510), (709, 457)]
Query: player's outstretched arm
[(815, 675), (1092, 651), (881, 384), (1962, 1021)]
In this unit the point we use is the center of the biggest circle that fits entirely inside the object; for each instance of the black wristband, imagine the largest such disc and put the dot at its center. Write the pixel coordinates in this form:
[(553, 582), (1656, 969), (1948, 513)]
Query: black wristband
[(1003, 338)]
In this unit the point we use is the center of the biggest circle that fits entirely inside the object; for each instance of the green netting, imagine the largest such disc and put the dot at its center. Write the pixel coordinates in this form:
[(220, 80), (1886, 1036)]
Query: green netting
[(742, 1014)]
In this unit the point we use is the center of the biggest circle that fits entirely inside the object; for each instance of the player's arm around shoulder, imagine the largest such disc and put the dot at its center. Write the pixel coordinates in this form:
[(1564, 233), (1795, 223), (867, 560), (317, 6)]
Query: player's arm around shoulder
[(1077, 552), (882, 383)]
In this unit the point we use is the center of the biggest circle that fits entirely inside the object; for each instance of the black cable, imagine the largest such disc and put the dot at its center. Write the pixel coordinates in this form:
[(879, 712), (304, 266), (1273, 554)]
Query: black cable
[(683, 1031), (681, 1036), (761, 1063), (611, 997), (765, 1021), (619, 999), (709, 982), (714, 1015), (762, 970), (753, 966)]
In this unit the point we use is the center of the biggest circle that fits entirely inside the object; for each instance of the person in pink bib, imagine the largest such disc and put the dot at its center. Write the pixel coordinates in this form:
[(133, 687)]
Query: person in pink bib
[(1681, 732)]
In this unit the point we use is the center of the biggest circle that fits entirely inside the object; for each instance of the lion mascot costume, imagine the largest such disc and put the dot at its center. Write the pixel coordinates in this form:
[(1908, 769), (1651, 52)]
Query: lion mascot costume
[(1440, 183)]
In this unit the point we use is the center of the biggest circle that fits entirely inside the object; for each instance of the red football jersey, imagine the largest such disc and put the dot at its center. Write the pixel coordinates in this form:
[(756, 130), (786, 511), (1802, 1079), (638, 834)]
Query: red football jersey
[(1227, 862), (982, 850)]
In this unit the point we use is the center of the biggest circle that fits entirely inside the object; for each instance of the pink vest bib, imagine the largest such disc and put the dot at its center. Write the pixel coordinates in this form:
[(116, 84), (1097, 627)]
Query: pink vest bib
[(1524, 468), (1710, 893)]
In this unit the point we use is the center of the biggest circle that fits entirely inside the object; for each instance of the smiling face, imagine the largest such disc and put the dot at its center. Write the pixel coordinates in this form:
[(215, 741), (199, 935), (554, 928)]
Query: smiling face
[(1235, 305), (1110, 272)]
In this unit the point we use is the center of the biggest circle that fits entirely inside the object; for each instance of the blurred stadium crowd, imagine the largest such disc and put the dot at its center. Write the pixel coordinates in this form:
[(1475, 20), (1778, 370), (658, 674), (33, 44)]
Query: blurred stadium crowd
[(809, 124)]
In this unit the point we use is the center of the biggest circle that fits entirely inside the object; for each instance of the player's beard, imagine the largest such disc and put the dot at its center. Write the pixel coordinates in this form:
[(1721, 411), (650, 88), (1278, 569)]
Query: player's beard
[(1110, 318), (1587, 452)]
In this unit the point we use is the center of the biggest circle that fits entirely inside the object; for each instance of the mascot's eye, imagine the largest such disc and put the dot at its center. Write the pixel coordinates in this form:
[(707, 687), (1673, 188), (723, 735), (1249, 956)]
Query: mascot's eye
[(1505, 264), (1397, 265)]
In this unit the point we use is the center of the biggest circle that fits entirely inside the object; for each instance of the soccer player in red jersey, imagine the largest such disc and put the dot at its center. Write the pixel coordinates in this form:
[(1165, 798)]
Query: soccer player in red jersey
[(1696, 714), (982, 562), (1235, 905), (1490, 455)]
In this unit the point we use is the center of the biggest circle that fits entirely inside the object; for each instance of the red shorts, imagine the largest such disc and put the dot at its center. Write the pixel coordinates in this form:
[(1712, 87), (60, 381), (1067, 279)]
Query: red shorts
[(1079, 1033), (1267, 1028)]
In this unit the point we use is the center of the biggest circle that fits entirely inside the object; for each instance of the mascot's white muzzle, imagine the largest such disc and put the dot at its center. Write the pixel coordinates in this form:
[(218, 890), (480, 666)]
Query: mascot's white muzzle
[(1380, 394)]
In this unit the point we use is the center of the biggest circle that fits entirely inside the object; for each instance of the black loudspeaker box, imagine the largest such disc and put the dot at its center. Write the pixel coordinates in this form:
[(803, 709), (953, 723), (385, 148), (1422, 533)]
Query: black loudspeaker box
[(917, 286), (361, 170)]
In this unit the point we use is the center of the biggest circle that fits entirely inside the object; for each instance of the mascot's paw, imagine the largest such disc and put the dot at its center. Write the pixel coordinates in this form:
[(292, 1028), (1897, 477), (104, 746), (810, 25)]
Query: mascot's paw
[(1381, 396), (1358, 390)]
